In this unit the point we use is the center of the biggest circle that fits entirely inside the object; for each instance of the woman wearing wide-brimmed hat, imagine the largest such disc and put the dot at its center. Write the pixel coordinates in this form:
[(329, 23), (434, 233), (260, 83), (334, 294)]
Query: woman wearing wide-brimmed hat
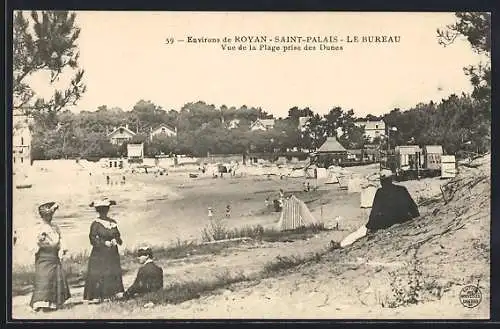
[(51, 288), (104, 274)]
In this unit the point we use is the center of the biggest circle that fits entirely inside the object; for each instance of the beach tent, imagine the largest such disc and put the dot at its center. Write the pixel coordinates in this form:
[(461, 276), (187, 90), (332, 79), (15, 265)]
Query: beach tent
[(295, 214), (332, 177)]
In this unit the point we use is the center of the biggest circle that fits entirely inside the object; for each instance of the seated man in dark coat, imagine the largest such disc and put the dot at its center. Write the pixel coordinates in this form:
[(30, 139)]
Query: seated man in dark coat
[(149, 277), (392, 204)]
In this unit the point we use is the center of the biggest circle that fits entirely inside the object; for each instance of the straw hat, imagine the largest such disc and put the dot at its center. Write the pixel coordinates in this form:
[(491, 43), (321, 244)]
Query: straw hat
[(48, 208), (105, 202)]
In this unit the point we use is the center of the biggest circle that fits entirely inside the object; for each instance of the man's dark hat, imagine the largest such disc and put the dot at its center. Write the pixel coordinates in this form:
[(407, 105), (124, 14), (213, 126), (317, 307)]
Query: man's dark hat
[(145, 251)]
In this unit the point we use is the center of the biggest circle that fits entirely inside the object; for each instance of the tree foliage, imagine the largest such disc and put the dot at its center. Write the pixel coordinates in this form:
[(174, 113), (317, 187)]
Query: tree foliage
[(202, 129), (45, 41), (476, 28)]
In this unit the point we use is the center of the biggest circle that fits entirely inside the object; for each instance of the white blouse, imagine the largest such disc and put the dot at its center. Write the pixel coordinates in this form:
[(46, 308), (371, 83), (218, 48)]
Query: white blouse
[(46, 235)]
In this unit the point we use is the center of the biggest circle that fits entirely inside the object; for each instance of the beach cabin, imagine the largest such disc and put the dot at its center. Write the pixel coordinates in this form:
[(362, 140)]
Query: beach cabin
[(432, 157), (135, 153), (448, 166), (408, 157), (331, 153), (115, 163)]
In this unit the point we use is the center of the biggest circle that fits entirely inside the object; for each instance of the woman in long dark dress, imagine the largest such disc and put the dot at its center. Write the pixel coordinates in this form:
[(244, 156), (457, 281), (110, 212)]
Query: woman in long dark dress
[(51, 288), (104, 274)]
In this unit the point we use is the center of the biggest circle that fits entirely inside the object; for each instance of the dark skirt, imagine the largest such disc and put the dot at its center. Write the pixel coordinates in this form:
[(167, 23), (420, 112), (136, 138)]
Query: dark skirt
[(51, 288), (104, 274)]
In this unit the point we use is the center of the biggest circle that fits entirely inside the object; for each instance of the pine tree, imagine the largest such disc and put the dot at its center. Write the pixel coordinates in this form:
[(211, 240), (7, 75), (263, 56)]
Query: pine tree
[(45, 41)]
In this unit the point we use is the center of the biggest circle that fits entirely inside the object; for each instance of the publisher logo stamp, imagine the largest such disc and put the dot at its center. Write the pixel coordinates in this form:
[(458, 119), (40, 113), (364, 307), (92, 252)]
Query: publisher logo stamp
[(470, 296)]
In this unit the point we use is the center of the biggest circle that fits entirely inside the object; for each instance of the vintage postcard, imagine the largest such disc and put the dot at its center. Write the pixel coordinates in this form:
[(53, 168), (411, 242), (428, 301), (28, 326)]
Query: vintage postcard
[(251, 165)]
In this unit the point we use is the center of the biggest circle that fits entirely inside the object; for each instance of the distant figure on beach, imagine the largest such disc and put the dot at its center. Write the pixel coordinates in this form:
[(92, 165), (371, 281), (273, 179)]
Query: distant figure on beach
[(228, 211), (104, 273), (123, 179), (277, 205), (51, 288), (210, 213), (108, 179), (149, 277), (266, 202), (281, 197), (392, 204), (14, 239)]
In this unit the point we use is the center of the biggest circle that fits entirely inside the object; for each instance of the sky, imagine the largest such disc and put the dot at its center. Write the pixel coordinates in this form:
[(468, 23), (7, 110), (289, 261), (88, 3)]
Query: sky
[(126, 59)]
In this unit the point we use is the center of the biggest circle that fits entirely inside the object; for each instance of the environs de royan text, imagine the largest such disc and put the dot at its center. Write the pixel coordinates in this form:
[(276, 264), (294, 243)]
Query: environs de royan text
[(298, 39)]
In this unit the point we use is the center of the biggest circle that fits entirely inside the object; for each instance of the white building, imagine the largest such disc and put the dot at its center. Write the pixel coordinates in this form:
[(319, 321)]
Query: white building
[(21, 143), (262, 124), (303, 123), (373, 129), (164, 130)]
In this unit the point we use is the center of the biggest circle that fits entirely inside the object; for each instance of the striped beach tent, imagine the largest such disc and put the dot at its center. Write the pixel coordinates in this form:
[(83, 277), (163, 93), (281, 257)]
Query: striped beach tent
[(295, 214)]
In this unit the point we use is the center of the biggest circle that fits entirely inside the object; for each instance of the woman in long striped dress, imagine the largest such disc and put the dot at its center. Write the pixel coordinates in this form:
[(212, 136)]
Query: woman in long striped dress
[(51, 288)]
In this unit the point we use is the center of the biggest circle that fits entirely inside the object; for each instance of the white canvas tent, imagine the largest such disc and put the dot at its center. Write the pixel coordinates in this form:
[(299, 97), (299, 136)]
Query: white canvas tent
[(295, 214)]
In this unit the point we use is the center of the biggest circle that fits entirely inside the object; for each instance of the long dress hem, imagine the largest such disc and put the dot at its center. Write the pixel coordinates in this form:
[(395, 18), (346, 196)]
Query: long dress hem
[(51, 287)]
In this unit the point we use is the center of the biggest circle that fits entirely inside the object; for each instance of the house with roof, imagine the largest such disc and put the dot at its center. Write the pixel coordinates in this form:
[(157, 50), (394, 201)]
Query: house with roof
[(372, 129), (163, 130), (121, 135), (331, 152), (262, 124)]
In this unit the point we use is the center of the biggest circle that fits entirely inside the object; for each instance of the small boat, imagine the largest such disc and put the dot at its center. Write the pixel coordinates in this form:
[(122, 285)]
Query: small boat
[(19, 186)]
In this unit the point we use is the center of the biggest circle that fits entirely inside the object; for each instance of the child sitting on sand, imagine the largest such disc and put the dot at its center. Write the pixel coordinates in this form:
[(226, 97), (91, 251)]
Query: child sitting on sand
[(149, 277), (210, 213), (228, 211)]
